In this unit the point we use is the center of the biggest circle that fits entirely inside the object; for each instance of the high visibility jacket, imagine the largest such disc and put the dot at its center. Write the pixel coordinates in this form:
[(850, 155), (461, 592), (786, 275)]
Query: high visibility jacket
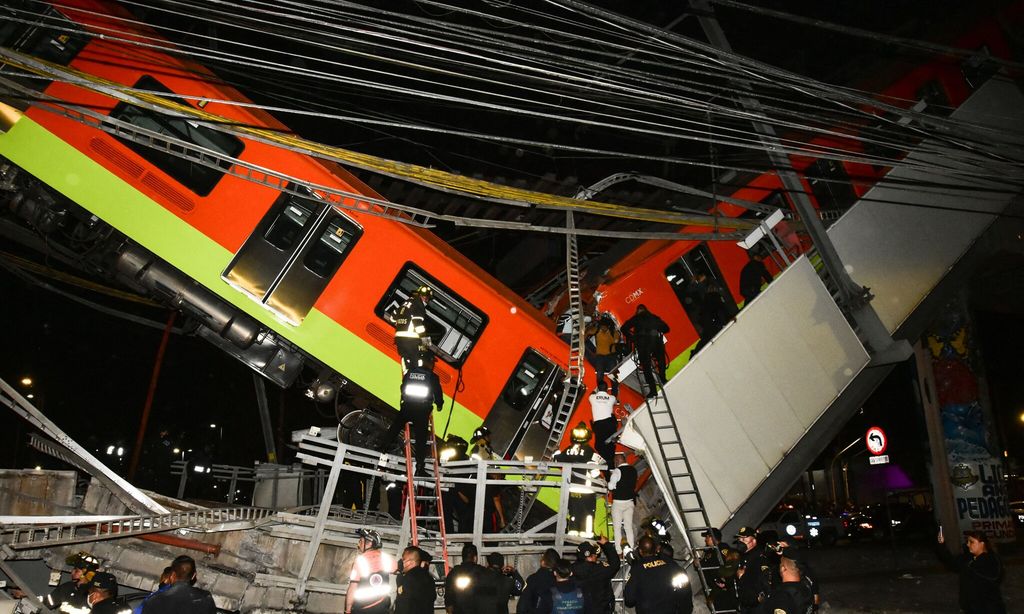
[(372, 575), (410, 321)]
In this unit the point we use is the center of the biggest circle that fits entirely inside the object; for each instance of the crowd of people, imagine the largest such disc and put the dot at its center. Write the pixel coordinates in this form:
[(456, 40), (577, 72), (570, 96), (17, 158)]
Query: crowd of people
[(91, 589)]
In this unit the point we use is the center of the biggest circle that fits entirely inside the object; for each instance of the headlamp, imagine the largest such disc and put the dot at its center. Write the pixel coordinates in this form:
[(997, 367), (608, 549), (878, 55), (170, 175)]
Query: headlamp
[(446, 453)]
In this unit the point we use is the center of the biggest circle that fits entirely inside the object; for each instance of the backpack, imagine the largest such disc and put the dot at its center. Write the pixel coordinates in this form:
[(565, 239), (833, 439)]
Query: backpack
[(566, 603)]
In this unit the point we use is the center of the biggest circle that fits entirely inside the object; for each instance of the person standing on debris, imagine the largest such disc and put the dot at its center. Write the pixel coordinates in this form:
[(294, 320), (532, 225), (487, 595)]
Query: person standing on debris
[(539, 583), (595, 577), (461, 584), (657, 585), (494, 509), (420, 388), (981, 573), (645, 330), (416, 592), (582, 499), (602, 408), (566, 596), (83, 567), (182, 596), (622, 489), (411, 337), (369, 588), (752, 276)]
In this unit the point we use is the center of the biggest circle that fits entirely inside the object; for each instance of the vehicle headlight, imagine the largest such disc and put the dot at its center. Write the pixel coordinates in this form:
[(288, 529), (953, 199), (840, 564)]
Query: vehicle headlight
[(790, 529)]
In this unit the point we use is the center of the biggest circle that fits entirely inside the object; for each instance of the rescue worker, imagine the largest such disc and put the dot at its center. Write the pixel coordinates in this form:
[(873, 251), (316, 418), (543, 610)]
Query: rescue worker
[(565, 597), (602, 408), (539, 583), (458, 500), (582, 498), (717, 564), (754, 576), (657, 585), (752, 276), (102, 595), (420, 388), (645, 330), (182, 596), (74, 592), (461, 584), (416, 592), (494, 509), (369, 588), (607, 346), (791, 595), (411, 337), (498, 584), (622, 490), (594, 577)]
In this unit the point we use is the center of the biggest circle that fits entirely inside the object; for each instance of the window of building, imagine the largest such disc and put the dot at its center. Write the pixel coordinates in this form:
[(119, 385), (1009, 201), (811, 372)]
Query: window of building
[(453, 324), (196, 177)]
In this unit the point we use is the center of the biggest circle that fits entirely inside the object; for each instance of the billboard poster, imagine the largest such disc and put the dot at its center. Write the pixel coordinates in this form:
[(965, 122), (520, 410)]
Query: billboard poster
[(975, 468)]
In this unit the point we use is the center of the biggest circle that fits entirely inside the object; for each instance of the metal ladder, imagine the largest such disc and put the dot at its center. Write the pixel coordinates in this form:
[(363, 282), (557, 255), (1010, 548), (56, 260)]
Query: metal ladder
[(416, 524), (680, 485), (574, 378), (72, 531)]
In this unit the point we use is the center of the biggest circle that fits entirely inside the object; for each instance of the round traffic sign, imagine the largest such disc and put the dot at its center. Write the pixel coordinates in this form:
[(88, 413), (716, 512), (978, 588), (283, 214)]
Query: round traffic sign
[(876, 440)]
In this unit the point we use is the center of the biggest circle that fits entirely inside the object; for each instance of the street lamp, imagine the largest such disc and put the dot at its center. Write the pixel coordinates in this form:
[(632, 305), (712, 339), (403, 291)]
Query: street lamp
[(26, 381)]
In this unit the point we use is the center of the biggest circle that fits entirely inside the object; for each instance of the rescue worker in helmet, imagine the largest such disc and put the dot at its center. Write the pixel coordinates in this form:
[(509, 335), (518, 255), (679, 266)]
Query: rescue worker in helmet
[(75, 592), (420, 388), (582, 497), (494, 510), (411, 337), (458, 500), (369, 588)]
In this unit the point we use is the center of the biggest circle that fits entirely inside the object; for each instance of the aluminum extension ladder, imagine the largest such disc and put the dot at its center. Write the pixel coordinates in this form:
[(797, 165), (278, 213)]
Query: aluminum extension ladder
[(574, 378), (681, 486), (419, 525)]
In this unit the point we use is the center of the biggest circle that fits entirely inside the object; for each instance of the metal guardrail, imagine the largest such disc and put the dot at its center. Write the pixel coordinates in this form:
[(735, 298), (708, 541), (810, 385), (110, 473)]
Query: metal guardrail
[(72, 531)]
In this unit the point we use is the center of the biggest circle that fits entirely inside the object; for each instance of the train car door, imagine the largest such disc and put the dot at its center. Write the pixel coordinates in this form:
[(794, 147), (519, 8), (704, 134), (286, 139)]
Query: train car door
[(516, 420), (693, 276), (288, 260)]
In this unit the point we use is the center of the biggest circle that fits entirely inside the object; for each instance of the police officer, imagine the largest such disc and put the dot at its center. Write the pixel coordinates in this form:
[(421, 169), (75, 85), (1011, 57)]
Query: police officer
[(182, 595), (411, 328), (498, 584), (416, 592), (420, 388), (645, 330), (461, 584), (369, 588), (657, 585), (718, 566), (539, 583), (594, 577), (791, 595), (582, 498), (102, 596), (74, 592), (755, 574)]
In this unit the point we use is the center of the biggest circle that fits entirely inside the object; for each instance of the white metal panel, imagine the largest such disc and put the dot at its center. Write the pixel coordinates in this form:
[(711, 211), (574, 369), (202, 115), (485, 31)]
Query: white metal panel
[(749, 396), (898, 241)]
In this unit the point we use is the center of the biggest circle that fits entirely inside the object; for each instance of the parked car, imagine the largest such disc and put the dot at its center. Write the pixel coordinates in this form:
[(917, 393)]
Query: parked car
[(794, 525)]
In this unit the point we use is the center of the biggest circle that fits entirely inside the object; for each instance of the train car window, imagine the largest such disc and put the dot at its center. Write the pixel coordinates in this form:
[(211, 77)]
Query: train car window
[(453, 324), (196, 177), (934, 96), (521, 417), (50, 36), (291, 256), (830, 184), (776, 199), (330, 248), (979, 68), (285, 230), (692, 277)]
